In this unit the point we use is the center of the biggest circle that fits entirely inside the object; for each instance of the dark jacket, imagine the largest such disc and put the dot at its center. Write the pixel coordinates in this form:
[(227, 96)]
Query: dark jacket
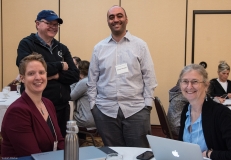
[(24, 130), (58, 91), (215, 88), (216, 124)]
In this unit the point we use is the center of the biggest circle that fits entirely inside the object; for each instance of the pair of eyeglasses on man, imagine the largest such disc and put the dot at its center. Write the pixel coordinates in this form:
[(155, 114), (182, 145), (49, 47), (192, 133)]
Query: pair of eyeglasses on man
[(193, 82), (51, 24)]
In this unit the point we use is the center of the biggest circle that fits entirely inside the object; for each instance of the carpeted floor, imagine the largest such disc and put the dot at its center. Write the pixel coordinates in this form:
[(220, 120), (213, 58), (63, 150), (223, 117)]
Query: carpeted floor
[(98, 142)]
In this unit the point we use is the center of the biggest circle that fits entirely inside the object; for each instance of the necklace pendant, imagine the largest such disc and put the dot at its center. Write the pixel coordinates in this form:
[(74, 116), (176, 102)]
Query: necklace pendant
[(42, 111)]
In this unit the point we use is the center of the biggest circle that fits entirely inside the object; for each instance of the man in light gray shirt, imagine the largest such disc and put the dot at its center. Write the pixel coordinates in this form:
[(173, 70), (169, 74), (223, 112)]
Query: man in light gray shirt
[(121, 82)]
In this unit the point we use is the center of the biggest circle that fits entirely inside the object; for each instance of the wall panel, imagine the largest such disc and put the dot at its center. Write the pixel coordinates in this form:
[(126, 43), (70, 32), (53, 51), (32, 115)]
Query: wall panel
[(1, 64), (212, 40), (18, 22), (209, 27), (162, 25), (85, 24)]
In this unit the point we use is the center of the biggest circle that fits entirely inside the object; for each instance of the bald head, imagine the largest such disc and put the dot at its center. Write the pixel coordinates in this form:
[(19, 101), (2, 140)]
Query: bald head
[(116, 6)]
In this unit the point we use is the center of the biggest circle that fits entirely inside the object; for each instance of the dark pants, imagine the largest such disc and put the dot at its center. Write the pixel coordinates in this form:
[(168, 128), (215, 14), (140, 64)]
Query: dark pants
[(121, 131), (63, 115)]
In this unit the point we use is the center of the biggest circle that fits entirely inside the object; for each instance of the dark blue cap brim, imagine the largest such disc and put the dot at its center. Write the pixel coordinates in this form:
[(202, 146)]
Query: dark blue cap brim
[(54, 17)]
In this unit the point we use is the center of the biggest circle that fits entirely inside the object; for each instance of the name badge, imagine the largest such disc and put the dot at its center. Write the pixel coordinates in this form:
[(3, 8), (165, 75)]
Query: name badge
[(55, 145), (122, 68)]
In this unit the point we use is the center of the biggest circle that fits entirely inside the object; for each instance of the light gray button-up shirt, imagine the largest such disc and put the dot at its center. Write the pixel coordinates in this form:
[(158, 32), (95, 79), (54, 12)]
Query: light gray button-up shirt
[(130, 91)]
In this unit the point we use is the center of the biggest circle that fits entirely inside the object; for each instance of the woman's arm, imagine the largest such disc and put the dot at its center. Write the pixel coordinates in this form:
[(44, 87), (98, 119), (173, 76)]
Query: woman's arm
[(79, 90), (17, 126)]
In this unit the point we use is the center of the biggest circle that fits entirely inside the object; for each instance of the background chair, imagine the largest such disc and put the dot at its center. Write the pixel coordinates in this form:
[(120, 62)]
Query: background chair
[(91, 133), (163, 119), (13, 86)]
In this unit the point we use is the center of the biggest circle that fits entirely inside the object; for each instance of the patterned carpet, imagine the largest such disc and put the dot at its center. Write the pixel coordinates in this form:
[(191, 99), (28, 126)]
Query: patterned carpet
[(98, 142)]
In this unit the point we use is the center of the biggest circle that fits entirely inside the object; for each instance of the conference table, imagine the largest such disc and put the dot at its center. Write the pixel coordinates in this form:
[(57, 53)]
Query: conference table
[(5, 103), (128, 153)]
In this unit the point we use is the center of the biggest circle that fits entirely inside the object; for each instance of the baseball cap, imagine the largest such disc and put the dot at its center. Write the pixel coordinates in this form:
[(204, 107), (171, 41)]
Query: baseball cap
[(48, 15)]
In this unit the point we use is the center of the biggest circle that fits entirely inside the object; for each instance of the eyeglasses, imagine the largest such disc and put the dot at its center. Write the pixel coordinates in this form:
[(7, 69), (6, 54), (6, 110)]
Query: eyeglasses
[(51, 24), (186, 82)]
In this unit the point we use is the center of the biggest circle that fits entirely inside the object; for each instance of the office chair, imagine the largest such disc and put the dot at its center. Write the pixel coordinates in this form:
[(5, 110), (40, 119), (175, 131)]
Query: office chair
[(163, 119)]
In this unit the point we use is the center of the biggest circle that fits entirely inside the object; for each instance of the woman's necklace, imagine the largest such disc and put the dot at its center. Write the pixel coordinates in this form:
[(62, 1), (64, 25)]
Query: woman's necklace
[(41, 110)]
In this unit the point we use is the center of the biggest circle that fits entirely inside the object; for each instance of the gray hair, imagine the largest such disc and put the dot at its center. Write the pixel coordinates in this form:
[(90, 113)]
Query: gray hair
[(196, 67), (223, 66)]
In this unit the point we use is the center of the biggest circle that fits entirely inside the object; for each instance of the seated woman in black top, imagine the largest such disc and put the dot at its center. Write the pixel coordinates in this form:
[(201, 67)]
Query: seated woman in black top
[(203, 121), (221, 85)]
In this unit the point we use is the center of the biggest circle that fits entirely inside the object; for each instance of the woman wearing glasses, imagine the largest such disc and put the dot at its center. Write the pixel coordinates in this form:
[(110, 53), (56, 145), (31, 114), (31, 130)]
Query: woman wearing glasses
[(221, 86), (203, 121), (30, 123)]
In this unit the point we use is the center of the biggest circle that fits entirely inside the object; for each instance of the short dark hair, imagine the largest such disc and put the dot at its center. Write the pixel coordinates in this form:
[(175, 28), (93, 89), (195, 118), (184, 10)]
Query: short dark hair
[(77, 59), (83, 67)]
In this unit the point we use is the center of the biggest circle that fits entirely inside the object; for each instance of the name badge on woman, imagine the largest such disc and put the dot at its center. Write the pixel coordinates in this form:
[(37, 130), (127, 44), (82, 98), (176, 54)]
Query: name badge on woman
[(55, 145), (122, 68)]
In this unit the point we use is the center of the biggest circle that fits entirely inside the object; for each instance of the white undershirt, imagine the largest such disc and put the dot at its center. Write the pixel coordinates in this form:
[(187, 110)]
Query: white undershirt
[(223, 84)]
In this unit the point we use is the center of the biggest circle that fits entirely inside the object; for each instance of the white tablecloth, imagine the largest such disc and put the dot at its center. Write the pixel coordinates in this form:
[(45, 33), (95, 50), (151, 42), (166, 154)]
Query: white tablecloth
[(5, 103), (130, 153)]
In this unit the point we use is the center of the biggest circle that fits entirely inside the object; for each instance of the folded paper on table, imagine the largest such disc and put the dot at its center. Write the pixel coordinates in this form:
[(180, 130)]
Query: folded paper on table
[(227, 102)]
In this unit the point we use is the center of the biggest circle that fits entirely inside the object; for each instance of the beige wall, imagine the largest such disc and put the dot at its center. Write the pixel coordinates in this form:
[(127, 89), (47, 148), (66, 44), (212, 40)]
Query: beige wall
[(203, 5), (85, 24), (207, 40), (18, 22), (0, 47), (161, 24)]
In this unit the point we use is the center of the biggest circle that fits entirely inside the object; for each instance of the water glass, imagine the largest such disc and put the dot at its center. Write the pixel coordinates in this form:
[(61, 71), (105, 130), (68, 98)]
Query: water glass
[(114, 156), (9, 89), (18, 88), (5, 92)]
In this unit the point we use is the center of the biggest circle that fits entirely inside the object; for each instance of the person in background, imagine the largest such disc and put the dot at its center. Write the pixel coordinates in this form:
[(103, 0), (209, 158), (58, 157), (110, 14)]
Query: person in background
[(61, 70), (76, 61), (176, 104), (30, 124), (16, 80), (204, 121), (121, 82), (82, 111), (221, 86)]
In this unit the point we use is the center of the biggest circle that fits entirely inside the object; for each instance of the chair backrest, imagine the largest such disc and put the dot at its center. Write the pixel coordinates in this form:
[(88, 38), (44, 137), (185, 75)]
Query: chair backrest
[(13, 86), (163, 118)]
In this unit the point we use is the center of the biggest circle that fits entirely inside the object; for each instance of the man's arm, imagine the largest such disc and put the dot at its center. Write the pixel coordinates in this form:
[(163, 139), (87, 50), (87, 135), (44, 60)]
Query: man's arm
[(93, 76), (55, 70), (72, 74), (148, 74)]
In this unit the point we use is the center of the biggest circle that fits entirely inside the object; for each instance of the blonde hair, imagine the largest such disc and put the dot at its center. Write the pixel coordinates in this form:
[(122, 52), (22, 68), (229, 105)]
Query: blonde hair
[(32, 57), (223, 66)]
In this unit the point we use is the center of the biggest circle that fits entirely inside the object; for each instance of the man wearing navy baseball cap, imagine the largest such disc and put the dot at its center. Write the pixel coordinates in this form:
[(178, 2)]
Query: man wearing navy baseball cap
[(61, 70), (48, 15)]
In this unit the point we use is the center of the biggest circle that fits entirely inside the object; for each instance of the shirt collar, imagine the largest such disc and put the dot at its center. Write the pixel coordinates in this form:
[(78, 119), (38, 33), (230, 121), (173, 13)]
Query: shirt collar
[(127, 36), (188, 114), (42, 41)]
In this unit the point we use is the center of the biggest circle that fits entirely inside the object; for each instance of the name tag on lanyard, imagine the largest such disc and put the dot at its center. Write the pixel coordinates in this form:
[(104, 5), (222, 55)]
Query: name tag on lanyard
[(55, 146)]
